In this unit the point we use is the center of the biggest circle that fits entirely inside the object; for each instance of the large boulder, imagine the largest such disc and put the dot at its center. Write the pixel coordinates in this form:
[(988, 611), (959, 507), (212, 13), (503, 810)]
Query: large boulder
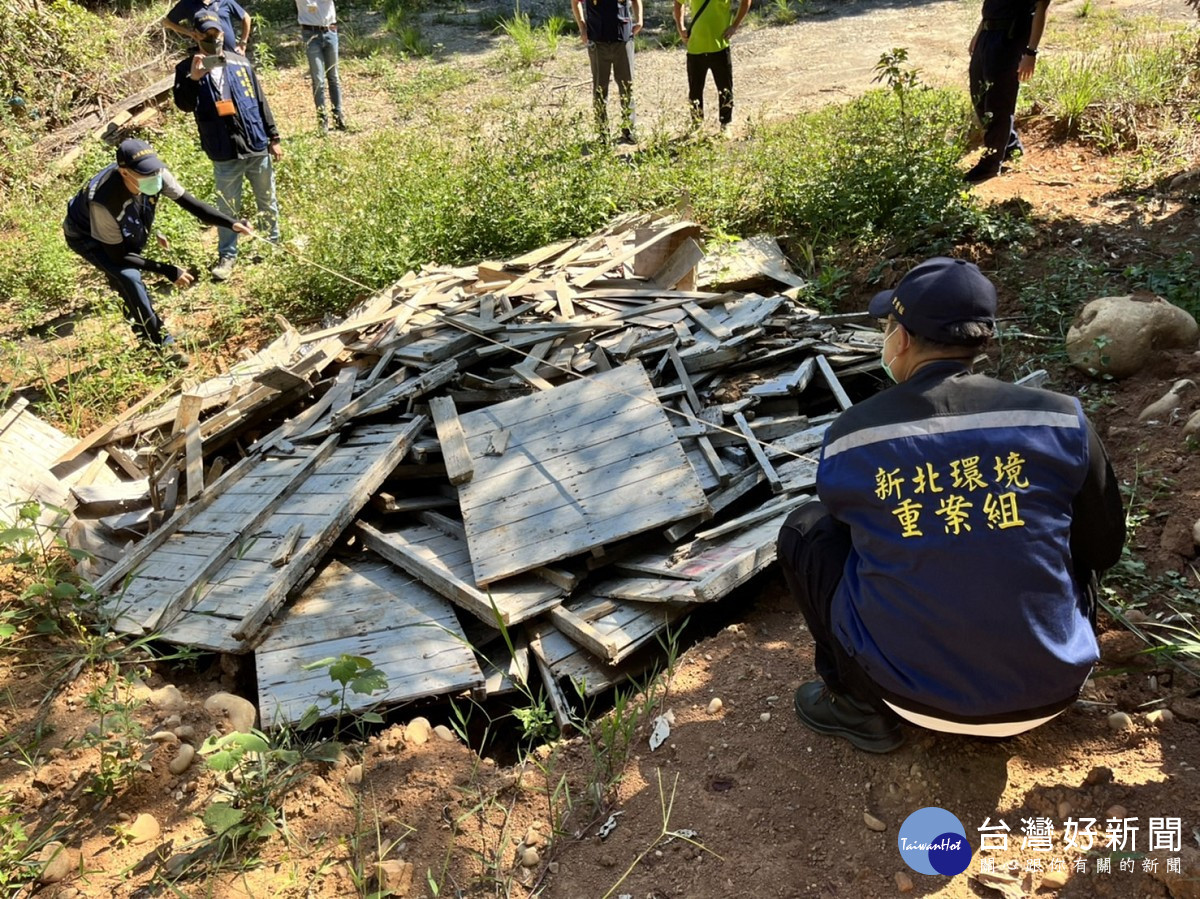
[(1117, 336)]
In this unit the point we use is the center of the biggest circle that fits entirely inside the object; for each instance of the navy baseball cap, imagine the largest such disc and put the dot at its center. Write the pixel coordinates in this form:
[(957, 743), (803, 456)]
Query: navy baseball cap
[(936, 294), (139, 156)]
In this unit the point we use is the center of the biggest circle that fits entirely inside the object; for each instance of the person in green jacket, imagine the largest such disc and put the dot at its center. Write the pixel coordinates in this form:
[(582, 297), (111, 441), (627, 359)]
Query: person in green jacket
[(711, 23)]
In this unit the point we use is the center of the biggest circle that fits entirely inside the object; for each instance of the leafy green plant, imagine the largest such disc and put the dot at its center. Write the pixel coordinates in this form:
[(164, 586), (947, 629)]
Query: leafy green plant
[(19, 862), (34, 546), (119, 737), (352, 674)]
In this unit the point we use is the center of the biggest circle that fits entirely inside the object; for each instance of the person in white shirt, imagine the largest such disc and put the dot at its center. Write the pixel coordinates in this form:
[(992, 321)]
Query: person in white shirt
[(318, 27)]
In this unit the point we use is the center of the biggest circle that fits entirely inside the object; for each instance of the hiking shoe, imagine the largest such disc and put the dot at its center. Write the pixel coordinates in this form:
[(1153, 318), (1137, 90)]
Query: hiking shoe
[(171, 354), (987, 168), (223, 269), (825, 712), (339, 122)]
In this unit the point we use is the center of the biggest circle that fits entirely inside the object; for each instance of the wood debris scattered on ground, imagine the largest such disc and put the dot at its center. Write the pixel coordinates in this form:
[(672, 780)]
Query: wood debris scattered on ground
[(579, 446)]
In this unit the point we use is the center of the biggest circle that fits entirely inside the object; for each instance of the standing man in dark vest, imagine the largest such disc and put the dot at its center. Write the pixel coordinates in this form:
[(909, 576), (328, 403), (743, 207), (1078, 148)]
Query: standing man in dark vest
[(607, 28), (109, 223), (237, 132), (1003, 54), (234, 21)]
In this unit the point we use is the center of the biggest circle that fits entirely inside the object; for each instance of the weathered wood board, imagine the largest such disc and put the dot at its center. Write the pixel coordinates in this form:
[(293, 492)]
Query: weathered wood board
[(211, 584), (362, 607), (612, 629), (587, 463), (442, 562)]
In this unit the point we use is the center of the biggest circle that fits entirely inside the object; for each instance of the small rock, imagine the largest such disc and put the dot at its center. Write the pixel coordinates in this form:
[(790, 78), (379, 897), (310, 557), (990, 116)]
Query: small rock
[(534, 836), (240, 713), (354, 775), (1159, 717), (445, 734), (183, 758), (904, 883), (167, 698), (552, 867), (1101, 774), (394, 877), (764, 717), (144, 829), (418, 731), (57, 863), (529, 857), (1120, 721), (172, 721), (873, 823), (1192, 427), (1135, 616), (164, 736), (1054, 880), (1196, 526), (1116, 811), (1162, 407), (1065, 809), (715, 705)]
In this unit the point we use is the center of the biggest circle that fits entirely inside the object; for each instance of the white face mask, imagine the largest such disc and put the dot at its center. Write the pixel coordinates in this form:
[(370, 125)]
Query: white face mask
[(887, 369), (150, 184)]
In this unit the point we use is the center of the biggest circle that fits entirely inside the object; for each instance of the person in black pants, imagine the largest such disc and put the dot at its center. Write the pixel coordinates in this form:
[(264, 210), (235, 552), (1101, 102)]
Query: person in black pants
[(110, 221), (1003, 54), (711, 25)]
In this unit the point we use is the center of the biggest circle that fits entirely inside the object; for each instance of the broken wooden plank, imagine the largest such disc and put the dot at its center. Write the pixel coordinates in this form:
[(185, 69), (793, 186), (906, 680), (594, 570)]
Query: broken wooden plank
[(759, 456), (455, 455), (835, 386)]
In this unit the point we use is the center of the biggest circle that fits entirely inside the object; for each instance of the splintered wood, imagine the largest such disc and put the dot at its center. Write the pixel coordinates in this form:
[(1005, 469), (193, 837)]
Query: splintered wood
[(580, 446)]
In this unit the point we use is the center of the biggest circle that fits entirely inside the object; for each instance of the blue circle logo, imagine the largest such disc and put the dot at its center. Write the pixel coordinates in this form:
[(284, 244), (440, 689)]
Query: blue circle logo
[(933, 841)]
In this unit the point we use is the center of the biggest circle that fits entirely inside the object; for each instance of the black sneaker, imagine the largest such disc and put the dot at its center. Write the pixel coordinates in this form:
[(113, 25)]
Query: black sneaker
[(825, 712), (984, 170)]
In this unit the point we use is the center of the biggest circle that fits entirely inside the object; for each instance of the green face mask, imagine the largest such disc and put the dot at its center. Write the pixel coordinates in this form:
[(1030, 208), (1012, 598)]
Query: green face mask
[(150, 184), (887, 369)]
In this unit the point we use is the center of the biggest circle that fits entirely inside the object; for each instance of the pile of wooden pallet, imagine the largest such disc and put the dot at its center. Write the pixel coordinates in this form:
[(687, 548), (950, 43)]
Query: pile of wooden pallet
[(577, 446)]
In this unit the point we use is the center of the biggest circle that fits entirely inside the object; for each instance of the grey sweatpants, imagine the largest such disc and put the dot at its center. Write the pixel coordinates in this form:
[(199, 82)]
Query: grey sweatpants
[(613, 58)]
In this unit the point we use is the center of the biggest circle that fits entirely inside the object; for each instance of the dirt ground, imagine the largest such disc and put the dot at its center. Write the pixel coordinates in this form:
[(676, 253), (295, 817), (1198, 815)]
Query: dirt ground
[(766, 808)]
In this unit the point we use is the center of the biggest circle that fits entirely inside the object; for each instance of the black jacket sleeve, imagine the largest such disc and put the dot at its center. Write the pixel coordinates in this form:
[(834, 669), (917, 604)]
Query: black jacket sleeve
[(185, 91), (1098, 515), (118, 252), (210, 215)]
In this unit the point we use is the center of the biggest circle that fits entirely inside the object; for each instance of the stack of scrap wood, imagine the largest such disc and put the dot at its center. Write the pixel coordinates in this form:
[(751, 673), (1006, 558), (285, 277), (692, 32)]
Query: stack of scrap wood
[(540, 464)]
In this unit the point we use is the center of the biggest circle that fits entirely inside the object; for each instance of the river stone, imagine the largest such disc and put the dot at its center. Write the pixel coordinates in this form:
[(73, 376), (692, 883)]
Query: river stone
[(1159, 717), (183, 758), (715, 705), (417, 731), (144, 829), (445, 734), (1055, 880), (873, 823), (1131, 330), (1191, 427), (239, 712), (1120, 721), (904, 883), (529, 857), (1161, 409), (354, 775), (57, 863), (167, 699)]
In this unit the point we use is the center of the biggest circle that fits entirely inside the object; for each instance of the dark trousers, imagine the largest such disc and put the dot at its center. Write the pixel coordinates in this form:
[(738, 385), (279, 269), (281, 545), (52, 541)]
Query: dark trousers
[(720, 64), (613, 59), (127, 282), (994, 86), (813, 550)]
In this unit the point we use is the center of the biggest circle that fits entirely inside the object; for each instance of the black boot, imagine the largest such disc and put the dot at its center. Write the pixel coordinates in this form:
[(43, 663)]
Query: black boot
[(988, 167), (826, 712)]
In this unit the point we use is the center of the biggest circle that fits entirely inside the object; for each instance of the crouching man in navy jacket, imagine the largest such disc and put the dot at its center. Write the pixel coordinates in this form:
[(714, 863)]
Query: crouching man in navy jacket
[(948, 572)]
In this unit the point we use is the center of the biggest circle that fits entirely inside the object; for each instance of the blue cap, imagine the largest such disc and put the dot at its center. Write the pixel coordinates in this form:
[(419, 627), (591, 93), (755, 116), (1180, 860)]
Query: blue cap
[(938, 293), (138, 155)]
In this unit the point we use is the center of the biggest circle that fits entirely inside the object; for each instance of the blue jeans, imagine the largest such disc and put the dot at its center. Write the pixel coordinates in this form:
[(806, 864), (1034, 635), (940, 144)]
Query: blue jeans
[(228, 176), (127, 282), (322, 50)]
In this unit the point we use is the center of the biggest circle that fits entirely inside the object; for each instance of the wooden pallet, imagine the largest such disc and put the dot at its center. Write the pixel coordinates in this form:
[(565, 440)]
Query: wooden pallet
[(362, 607), (585, 464)]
